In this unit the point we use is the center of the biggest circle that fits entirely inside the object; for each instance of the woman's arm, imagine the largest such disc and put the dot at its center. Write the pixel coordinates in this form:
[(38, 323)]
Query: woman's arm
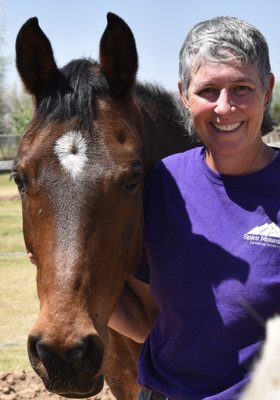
[(135, 311)]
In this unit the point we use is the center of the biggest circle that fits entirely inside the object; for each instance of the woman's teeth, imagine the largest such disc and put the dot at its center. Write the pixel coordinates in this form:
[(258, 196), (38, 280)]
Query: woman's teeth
[(227, 128)]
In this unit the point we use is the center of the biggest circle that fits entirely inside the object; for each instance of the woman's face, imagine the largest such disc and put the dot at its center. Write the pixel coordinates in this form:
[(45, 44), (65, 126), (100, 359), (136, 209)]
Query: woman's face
[(226, 102)]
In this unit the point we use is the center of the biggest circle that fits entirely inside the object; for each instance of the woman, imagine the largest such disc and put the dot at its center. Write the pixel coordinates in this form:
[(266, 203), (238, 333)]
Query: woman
[(212, 228)]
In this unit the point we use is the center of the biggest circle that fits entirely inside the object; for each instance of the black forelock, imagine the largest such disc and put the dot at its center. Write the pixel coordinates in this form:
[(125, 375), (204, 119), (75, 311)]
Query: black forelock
[(74, 94)]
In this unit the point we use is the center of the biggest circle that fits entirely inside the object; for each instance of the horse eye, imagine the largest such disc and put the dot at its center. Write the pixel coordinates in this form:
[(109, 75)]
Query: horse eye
[(133, 182), (19, 181)]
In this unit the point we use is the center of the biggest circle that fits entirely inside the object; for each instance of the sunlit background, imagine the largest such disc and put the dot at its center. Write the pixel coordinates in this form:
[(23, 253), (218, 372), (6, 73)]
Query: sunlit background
[(75, 27)]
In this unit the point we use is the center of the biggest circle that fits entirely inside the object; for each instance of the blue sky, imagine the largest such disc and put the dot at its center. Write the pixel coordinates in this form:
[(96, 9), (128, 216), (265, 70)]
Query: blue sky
[(159, 26)]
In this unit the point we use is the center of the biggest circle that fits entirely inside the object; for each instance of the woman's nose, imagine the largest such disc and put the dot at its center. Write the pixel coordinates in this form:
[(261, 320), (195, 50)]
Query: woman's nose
[(224, 103)]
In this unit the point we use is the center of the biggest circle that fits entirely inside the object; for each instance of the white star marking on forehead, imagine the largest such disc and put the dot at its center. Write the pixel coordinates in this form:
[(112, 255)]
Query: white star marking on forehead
[(71, 150)]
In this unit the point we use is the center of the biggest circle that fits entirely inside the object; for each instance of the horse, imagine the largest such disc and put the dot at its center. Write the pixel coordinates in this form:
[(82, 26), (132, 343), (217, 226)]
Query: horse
[(265, 382), (80, 170)]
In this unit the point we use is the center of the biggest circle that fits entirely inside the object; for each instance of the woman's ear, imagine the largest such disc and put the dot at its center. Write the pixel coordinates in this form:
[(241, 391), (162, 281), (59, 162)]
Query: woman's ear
[(182, 95), (270, 86)]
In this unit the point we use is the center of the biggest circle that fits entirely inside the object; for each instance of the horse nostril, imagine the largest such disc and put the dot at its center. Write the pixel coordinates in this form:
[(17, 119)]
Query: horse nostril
[(32, 349), (39, 352), (95, 350), (44, 352)]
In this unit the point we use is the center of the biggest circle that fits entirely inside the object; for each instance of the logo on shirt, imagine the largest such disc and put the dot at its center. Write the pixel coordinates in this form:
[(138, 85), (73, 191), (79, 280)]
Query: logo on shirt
[(264, 235)]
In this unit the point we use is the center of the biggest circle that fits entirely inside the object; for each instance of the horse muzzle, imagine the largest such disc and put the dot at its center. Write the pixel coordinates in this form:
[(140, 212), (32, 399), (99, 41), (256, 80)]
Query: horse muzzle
[(75, 371)]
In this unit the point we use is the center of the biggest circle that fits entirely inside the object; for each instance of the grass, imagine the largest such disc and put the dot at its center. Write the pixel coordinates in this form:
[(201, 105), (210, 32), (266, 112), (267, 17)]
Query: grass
[(10, 221), (18, 311), (11, 226), (18, 298)]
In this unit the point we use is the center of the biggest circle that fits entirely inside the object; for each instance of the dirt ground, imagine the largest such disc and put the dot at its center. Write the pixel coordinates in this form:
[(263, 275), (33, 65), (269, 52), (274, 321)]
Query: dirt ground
[(28, 386)]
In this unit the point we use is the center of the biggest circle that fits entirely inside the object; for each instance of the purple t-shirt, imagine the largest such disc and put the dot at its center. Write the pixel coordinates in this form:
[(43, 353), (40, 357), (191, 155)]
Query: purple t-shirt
[(213, 248)]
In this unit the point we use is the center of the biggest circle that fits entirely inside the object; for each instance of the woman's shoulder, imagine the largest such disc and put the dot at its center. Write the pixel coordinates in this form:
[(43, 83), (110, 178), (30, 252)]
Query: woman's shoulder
[(182, 159), (184, 156), (176, 168), (182, 162)]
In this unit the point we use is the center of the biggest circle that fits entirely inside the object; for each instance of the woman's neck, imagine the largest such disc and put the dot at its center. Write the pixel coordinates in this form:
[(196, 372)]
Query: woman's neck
[(242, 164)]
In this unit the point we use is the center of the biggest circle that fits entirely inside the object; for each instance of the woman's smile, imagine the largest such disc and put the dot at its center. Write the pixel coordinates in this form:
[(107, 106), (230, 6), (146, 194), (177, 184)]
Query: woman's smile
[(227, 127)]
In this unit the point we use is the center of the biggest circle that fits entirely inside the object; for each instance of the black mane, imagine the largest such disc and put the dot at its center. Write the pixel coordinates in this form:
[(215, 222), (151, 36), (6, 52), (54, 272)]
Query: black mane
[(80, 83), (160, 105), (74, 94)]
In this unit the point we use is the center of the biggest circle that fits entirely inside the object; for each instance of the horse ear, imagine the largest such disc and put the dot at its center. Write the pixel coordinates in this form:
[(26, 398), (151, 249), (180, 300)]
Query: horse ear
[(118, 55), (34, 59)]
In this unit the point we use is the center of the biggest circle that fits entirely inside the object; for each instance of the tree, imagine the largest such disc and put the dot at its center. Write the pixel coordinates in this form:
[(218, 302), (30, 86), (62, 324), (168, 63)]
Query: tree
[(15, 106), (275, 106), (3, 66), (21, 113)]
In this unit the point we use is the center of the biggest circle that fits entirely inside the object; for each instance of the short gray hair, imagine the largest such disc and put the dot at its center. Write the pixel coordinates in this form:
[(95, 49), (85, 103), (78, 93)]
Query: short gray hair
[(221, 40)]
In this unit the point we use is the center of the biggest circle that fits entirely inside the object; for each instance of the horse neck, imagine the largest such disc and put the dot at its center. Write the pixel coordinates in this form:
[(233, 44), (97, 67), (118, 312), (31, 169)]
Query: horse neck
[(164, 124)]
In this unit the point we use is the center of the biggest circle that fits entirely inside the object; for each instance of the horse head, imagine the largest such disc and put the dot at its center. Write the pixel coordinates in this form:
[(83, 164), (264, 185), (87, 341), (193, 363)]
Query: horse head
[(79, 171)]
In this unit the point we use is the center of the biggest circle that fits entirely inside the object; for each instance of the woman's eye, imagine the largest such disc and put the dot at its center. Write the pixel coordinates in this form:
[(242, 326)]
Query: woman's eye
[(207, 92), (242, 89)]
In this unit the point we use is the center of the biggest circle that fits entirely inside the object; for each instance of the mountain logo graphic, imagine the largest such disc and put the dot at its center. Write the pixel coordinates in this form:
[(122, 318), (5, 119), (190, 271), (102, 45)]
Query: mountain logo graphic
[(265, 235), (266, 230)]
